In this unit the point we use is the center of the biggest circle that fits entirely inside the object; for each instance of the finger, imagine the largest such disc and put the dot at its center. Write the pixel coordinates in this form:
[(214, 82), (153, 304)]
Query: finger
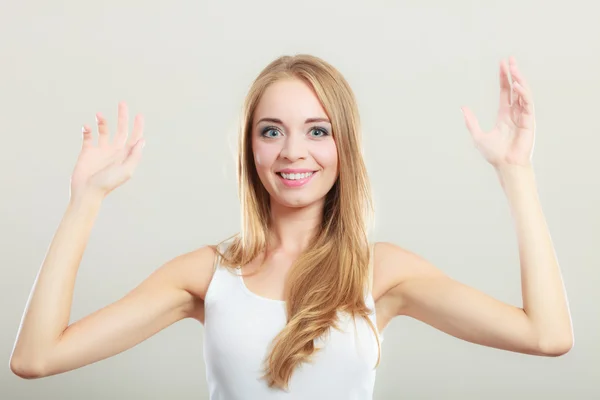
[(504, 85), (138, 129), (133, 159), (88, 139), (471, 122), (516, 73), (122, 125), (524, 98), (103, 134)]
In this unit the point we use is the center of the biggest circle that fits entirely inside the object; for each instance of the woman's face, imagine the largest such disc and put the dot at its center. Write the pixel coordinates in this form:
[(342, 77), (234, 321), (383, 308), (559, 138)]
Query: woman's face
[(294, 151)]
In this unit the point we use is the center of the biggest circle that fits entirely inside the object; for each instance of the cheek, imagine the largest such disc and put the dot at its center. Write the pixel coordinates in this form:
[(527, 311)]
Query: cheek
[(326, 154), (264, 155)]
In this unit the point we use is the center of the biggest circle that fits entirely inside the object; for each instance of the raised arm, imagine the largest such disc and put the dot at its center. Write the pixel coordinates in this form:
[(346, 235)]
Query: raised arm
[(414, 287), (46, 344)]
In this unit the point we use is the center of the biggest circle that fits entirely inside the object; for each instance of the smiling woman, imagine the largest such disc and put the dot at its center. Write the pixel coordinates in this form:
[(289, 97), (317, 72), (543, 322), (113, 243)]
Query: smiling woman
[(294, 151), (295, 304), (306, 200)]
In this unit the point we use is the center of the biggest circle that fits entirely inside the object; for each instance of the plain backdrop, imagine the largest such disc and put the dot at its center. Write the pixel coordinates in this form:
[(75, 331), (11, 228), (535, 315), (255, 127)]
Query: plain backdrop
[(186, 65)]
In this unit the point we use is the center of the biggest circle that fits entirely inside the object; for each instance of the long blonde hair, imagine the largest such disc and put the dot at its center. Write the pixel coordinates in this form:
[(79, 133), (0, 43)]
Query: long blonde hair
[(333, 273)]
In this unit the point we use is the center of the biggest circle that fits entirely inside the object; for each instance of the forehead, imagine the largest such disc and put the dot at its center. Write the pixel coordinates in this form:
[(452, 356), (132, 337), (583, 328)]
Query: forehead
[(289, 99)]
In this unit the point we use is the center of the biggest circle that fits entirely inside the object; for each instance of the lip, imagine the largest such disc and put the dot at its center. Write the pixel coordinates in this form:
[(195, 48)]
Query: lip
[(295, 171), (296, 183)]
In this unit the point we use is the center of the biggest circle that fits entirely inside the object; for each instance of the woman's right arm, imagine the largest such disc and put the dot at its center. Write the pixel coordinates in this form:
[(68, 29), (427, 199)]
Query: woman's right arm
[(46, 344)]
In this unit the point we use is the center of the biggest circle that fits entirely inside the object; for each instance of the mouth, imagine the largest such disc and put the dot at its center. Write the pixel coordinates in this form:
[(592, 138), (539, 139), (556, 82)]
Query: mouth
[(296, 180)]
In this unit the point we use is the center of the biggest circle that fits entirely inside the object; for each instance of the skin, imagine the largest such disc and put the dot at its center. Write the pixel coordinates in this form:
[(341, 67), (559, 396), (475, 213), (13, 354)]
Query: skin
[(403, 283), (297, 144)]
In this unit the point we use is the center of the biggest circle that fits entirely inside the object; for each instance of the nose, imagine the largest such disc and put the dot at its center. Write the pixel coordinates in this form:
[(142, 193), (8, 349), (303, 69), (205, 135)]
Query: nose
[(294, 147)]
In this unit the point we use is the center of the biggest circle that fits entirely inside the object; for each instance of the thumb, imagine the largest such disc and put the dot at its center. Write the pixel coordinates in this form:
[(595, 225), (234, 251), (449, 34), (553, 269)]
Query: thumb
[(471, 122)]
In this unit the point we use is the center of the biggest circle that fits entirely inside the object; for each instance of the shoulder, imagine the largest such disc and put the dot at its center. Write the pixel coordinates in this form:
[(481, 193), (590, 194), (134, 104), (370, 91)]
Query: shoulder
[(394, 265), (192, 271)]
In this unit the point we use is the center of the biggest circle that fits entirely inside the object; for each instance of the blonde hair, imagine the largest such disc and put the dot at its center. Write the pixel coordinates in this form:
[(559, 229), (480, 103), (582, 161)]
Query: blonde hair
[(333, 273)]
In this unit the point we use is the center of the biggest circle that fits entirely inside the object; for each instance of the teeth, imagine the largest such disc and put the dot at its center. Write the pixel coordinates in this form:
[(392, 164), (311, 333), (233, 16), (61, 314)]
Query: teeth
[(296, 176)]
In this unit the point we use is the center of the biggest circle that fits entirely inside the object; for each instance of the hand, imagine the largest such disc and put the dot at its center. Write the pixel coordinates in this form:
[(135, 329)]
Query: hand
[(104, 166), (511, 140)]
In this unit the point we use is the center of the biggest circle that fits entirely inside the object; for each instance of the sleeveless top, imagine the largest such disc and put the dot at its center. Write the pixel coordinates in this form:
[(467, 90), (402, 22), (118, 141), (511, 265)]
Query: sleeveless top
[(239, 327)]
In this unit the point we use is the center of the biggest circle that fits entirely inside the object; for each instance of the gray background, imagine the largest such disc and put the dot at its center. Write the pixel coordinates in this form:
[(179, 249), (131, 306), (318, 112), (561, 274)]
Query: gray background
[(187, 66)]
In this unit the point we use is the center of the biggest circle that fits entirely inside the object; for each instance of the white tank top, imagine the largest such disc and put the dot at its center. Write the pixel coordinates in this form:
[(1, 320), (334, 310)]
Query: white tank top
[(239, 328)]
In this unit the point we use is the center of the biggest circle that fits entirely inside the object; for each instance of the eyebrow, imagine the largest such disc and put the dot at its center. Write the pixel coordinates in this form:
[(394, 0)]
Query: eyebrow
[(308, 121)]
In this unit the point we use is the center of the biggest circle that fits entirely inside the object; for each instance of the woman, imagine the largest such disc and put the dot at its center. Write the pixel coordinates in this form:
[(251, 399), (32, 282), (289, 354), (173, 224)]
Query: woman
[(293, 305)]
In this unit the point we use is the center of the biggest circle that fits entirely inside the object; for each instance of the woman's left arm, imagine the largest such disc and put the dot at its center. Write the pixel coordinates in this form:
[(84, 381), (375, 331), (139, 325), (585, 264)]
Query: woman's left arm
[(544, 296), (416, 288)]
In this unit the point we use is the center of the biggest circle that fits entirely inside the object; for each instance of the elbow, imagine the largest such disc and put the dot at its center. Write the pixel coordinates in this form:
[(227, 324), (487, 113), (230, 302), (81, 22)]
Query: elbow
[(556, 347), (26, 369)]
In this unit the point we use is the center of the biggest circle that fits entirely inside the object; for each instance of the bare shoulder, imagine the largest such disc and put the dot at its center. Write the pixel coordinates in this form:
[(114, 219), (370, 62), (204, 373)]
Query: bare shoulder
[(193, 270), (393, 265), (190, 274)]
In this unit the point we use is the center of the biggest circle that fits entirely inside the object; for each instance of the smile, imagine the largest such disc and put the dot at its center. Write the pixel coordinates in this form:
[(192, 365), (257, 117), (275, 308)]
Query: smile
[(296, 180)]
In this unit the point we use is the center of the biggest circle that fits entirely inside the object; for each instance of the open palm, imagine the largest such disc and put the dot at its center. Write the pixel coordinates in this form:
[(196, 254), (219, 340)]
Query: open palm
[(103, 166), (511, 140)]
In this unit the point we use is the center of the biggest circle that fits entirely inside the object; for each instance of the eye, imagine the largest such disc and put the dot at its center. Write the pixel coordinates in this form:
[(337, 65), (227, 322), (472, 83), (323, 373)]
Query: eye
[(269, 132), (321, 132)]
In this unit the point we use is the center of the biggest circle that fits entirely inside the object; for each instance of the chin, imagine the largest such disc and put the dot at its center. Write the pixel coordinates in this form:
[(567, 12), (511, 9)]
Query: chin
[(297, 201)]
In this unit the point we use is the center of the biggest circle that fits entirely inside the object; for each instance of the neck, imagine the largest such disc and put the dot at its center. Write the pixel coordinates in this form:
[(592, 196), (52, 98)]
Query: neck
[(292, 228)]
